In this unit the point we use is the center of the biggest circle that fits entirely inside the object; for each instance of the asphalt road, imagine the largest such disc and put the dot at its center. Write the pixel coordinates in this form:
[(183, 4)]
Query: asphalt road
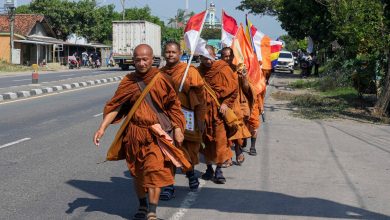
[(304, 170), (52, 76)]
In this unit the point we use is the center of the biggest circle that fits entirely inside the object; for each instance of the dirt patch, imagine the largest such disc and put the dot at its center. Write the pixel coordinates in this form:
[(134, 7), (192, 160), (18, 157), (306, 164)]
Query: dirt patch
[(310, 104)]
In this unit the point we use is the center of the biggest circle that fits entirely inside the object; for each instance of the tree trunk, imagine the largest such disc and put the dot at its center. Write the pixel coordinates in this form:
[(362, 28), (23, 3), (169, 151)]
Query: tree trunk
[(382, 104)]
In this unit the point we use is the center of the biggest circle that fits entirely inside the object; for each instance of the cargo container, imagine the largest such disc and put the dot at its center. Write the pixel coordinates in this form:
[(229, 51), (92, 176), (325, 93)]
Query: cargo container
[(126, 35)]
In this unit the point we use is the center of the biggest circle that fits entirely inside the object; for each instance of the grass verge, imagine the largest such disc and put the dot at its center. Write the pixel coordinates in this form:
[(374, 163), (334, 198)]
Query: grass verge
[(335, 103), (6, 67)]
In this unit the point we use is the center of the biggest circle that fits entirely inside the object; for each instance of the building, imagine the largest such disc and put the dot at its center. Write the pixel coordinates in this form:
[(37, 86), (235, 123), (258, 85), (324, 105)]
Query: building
[(212, 21), (36, 43)]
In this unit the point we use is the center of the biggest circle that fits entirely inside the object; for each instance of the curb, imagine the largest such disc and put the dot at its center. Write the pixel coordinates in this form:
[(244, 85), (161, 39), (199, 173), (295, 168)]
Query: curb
[(45, 90)]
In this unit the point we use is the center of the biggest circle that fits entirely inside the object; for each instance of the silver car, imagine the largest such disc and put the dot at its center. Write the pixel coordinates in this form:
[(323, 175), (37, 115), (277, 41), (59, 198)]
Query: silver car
[(285, 62)]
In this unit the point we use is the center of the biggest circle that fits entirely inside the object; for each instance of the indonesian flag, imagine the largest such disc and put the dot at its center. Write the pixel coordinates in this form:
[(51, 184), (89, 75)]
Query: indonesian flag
[(229, 29), (193, 29)]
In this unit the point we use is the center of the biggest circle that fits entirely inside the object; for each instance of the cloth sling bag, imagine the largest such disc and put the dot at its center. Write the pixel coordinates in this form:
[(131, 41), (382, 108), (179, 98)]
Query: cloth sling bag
[(116, 151), (165, 122), (230, 117)]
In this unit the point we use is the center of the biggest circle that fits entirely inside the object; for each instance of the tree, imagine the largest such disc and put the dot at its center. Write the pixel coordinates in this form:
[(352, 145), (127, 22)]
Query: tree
[(211, 33), (180, 19), (299, 18), (293, 44)]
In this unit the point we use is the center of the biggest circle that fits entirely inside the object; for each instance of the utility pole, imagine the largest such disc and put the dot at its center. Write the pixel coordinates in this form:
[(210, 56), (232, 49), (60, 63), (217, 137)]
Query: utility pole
[(123, 9), (207, 4), (10, 5)]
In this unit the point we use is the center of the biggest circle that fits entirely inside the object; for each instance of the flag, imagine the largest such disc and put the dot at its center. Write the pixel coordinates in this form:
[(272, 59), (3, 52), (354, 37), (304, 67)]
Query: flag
[(192, 31), (310, 45), (276, 47), (267, 50), (229, 29), (201, 49), (244, 54)]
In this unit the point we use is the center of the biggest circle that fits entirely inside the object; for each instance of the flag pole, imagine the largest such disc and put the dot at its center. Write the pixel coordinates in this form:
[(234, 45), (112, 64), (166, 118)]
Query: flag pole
[(192, 52)]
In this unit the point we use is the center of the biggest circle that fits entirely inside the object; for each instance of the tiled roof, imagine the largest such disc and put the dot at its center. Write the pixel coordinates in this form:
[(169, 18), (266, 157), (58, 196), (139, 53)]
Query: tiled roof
[(24, 23)]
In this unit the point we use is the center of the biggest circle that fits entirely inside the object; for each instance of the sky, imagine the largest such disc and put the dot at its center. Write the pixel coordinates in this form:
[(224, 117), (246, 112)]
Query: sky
[(166, 9)]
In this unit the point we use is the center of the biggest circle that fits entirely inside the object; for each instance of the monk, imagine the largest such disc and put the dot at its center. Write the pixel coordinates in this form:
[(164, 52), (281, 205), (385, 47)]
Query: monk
[(243, 104), (150, 167), (192, 98), (218, 76)]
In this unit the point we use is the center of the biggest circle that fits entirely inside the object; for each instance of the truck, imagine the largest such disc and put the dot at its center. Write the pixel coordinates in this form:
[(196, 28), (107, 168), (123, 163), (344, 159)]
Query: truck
[(126, 35)]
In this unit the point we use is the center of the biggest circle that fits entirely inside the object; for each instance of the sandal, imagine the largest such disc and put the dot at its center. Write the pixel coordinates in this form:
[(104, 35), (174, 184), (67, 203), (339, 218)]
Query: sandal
[(167, 193), (141, 213), (240, 159), (252, 151), (208, 175), (227, 163), (193, 182), (151, 216), (219, 178)]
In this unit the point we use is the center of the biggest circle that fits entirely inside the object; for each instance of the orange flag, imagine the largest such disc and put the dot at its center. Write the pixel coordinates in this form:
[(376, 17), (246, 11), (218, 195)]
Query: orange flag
[(244, 54)]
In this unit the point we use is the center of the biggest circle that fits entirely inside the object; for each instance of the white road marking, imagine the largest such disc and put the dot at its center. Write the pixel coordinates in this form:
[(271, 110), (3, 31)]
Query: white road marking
[(68, 75), (57, 93), (18, 80), (97, 115), (188, 201), (15, 142)]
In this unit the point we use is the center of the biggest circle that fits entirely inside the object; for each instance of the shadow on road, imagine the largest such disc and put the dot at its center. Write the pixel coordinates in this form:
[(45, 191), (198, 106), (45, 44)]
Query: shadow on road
[(117, 198)]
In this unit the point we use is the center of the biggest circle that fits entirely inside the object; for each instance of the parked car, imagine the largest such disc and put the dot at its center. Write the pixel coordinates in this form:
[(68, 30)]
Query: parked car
[(285, 62)]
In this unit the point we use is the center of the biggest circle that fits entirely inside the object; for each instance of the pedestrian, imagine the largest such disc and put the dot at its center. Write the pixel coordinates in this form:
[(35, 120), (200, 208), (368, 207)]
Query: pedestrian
[(147, 142), (84, 56), (243, 104), (222, 90), (193, 103)]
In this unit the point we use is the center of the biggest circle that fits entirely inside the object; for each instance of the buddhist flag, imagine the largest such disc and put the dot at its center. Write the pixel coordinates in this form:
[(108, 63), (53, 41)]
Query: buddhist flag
[(192, 31), (267, 50), (244, 54), (229, 29), (276, 47)]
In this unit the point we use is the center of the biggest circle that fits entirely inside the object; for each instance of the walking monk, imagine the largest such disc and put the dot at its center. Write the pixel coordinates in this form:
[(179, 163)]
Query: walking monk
[(219, 77), (243, 104), (147, 152), (192, 98)]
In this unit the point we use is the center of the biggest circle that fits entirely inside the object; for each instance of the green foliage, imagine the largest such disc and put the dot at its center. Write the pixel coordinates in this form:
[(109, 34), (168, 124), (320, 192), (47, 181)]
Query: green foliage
[(211, 33), (293, 44), (172, 34)]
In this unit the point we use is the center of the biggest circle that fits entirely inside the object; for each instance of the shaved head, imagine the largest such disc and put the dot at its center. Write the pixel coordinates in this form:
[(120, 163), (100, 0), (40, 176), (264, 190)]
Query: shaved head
[(211, 50), (143, 58), (143, 49)]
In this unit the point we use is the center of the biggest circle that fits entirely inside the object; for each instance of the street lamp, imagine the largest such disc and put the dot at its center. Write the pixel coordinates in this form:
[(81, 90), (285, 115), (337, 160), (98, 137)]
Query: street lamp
[(10, 5)]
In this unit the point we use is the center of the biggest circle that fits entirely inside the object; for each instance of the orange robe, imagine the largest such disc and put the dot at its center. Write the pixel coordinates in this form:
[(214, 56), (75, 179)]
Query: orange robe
[(242, 106), (145, 160), (221, 79), (192, 97)]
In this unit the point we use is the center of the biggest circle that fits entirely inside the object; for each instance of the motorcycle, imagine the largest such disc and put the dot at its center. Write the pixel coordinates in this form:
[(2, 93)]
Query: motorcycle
[(73, 62)]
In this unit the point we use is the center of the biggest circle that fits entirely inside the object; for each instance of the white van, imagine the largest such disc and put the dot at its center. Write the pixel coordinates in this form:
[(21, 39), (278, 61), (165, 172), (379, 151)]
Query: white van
[(285, 62)]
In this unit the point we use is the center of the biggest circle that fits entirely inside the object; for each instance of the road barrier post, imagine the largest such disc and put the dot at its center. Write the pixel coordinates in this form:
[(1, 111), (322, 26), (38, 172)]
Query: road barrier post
[(35, 75)]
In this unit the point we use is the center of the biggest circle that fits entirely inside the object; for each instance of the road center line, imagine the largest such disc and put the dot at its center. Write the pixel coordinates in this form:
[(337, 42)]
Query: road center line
[(97, 115), (15, 142), (188, 201), (68, 75), (18, 80)]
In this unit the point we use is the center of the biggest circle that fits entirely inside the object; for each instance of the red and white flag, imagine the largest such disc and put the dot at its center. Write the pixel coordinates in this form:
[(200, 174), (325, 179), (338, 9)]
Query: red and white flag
[(192, 31), (229, 29)]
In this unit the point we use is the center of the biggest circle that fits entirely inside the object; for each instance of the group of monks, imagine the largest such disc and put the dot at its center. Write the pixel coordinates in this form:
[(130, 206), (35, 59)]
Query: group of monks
[(214, 110)]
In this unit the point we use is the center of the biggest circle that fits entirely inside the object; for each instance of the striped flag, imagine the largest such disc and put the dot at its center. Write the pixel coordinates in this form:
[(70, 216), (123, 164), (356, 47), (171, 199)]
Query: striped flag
[(229, 29), (192, 31), (267, 50)]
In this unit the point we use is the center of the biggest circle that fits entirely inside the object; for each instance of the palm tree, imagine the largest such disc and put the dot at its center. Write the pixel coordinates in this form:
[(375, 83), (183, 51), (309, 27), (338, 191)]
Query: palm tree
[(181, 18)]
